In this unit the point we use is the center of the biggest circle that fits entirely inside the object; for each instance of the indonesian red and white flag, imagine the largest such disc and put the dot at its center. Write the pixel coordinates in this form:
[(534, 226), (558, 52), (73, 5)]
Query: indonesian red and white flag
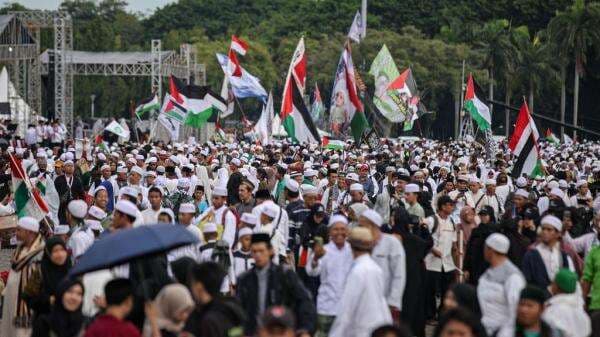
[(240, 46)]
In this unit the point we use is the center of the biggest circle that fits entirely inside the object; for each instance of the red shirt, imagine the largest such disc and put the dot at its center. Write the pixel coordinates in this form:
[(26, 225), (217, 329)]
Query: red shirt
[(110, 326)]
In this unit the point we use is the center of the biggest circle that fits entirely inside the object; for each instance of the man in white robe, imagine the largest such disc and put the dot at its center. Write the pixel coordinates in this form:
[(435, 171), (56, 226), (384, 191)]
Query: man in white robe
[(363, 306)]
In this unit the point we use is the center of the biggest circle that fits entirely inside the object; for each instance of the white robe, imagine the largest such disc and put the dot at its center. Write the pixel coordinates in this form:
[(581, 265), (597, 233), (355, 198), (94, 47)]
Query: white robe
[(363, 307), (566, 312)]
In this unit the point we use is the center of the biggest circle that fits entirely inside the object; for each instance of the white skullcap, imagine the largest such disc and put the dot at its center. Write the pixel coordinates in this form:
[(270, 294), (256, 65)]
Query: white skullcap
[(248, 218), (121, 169), (523, 193), (490, 182), (210, 227), (373, 216), (29, 223), (244, 231), (236, 162), (126, 207), (69, 156), (105, 167), (521, 182), (68, 162), (78, 208), (99, 188), (557, 192), (94, 224), (129, 191), (131, 160), (352, 176), (356, 187), (270, 209), (292, 185), (552, 184), (139, 157), (187, 208), (474, 180), (581, 183), (150, 174), (338, 218), (138, 170), (552, 221), (411, 188), (563, 184), (97, 212), (61, 229), (310, 173), (308, 189), (498, 242), (219, 191), (183, 182), (101, 156)]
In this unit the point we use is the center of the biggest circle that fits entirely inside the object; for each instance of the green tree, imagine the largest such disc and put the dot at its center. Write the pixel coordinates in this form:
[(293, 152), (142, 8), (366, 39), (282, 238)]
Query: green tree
[(531, 60), (576, 30), (493, 41)]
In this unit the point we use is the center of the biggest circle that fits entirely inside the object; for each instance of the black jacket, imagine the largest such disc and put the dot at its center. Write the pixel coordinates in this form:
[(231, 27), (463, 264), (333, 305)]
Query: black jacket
[(474, 261), (67, 194), (283, 288), (219, 318)]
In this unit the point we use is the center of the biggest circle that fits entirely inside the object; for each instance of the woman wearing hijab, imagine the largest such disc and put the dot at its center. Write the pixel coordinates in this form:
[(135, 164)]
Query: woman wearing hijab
[(462, 295), (171, 309), (54, 267), (467, 222), (65, 318), (111, 195), (417, 242), (474, 263)]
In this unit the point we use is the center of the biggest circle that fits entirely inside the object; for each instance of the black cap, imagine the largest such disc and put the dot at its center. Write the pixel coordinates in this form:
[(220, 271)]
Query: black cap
[(260, 237), (278, 317), (533, 293), (486, 210), (263, 194)]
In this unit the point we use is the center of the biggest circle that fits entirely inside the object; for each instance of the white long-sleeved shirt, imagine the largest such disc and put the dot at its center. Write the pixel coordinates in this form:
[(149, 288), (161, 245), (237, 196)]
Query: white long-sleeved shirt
[(389, 254), (332, 270), (498, 291), (363, 305)]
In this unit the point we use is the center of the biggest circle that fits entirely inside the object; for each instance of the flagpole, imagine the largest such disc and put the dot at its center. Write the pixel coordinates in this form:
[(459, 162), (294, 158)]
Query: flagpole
[(134, 119)]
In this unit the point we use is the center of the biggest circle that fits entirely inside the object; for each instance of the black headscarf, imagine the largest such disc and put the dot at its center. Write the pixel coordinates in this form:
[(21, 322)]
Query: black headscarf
[(53, 274), (466, 297), (181, 269), (63, 322)]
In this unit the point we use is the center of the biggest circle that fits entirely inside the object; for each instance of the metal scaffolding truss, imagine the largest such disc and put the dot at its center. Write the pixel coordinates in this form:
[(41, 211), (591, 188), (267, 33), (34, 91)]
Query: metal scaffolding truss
[(68, 63)]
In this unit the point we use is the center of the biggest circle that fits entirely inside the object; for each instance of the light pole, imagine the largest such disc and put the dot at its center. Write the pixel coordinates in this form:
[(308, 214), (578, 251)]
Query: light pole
[(92, 98)]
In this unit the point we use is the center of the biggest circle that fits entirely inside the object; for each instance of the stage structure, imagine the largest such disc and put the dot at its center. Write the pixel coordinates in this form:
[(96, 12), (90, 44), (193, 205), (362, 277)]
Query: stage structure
[(20, 50)]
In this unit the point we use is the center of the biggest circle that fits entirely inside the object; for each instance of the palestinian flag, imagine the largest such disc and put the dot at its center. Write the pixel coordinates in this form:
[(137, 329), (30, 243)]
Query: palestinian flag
[(219, 129), (146, 105), (478, 110), (28, 200), (101, 144), (295, 116), (550, 137), (332, 144), (524, 145), (403, 91), (202, 105), (345, 104)]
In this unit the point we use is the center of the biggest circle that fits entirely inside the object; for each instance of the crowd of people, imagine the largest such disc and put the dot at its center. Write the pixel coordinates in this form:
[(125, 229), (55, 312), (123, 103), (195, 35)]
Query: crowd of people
[(300, 240)]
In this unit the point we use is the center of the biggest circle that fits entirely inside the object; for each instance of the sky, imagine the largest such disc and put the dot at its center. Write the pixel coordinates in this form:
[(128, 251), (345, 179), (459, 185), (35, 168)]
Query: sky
[(144, 6)]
